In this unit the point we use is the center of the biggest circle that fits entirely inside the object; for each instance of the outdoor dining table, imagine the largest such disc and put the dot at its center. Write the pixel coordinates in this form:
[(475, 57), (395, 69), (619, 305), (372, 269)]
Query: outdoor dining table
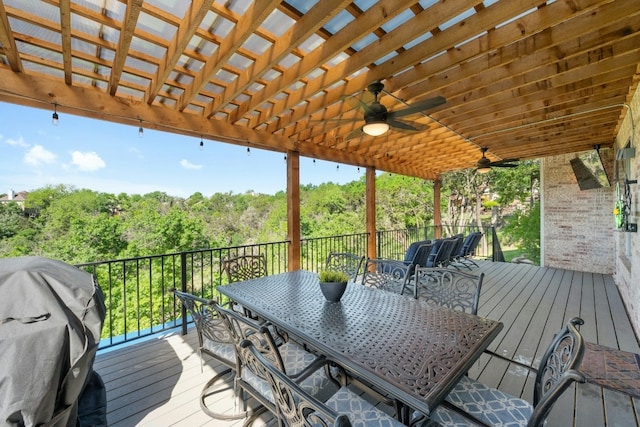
[(413, 351)]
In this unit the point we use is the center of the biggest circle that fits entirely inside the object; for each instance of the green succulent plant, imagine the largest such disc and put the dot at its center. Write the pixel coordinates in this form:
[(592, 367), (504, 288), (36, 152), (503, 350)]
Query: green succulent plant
[(326, 276)]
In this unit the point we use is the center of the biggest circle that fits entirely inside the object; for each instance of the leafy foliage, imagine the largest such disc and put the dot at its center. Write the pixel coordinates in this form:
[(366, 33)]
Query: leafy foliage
[(523, 229), (332, 276)]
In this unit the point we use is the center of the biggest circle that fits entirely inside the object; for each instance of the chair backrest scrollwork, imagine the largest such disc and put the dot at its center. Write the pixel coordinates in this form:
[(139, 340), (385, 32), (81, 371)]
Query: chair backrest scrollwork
[(386, 274), (449, 288), (293, 404), (244, 267), (348, 263), (559, 368)]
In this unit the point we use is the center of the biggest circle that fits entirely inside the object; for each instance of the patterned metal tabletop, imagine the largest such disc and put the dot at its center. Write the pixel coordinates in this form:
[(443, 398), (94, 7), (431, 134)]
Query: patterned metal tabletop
[(413, 350)]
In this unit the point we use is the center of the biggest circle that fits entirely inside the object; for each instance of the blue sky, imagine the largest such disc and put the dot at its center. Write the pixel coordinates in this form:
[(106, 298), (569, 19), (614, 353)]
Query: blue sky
[(112, 158)]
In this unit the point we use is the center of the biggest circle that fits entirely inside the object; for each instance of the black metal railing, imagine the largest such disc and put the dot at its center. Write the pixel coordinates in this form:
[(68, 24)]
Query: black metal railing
[(314, 251), (137, 290)]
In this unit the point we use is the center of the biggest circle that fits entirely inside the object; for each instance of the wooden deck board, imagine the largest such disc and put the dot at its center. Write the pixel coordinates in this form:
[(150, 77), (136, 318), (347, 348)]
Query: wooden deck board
[(157, 382)]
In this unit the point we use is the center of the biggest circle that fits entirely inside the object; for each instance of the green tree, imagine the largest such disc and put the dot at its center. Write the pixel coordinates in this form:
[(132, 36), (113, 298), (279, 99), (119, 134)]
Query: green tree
[(403, 202), (523, 230), (11, 219)]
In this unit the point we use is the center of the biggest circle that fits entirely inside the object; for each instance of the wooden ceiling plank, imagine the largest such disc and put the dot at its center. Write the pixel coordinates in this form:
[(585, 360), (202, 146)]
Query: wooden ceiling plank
[(525, 27), (8, 42), (601, 122), (466, 107), (597, 118), (306, 25), (534, 68), (564, 36), (585, 69), (124, 43), (253, 18), (188, 27), (532, 106)]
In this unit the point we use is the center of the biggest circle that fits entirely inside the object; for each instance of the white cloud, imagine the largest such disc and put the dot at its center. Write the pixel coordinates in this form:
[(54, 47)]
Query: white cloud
[(16, 142), (38, 155), (87, 162), (185, 164)]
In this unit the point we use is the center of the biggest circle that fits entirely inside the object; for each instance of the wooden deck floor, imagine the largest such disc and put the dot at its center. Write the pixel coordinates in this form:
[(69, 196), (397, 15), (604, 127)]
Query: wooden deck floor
[(157, 382)]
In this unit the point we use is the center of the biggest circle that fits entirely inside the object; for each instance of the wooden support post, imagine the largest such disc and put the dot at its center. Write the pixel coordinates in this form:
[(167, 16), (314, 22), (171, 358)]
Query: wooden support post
[(293, 215), (371, 211), (437, 214)]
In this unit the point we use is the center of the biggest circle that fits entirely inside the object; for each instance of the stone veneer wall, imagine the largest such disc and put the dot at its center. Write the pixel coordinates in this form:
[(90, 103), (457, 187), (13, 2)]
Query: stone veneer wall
[(576, 234)]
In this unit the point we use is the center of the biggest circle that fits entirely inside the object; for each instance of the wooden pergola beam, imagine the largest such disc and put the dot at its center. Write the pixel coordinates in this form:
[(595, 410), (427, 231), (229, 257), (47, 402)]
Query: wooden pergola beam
[(8, 42), (124, 43)]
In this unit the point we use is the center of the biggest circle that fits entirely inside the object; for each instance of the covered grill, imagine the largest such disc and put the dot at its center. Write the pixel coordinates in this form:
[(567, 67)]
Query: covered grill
[(51, 317)]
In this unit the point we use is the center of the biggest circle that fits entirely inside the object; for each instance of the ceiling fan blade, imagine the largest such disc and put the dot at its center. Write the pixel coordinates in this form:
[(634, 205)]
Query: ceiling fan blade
[(506, 163), (355, 134), (418, 107), (397, 124)]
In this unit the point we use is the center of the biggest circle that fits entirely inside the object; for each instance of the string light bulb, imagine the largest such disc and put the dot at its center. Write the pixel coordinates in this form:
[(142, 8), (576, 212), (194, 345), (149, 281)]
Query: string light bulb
[(54, 118), (248, 151), (140, 130), (201, 144)]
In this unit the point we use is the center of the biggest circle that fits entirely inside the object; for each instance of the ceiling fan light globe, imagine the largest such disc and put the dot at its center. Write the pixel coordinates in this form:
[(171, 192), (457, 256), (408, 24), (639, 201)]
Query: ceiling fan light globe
[(483, 165), (375, 128)]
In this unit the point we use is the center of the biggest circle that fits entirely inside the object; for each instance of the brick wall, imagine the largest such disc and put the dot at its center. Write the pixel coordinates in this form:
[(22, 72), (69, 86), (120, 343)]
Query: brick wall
[(578, 229), (578, 224), (627, 267)]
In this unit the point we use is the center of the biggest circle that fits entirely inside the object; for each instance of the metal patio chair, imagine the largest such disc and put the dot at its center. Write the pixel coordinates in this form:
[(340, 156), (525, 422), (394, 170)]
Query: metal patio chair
[(296, 407), (386, 274), (289, 357), (244, 267), (213, 340), (472, 403), (445, 287), (411, 251), (348, 263), (440, 255), (467, 251)]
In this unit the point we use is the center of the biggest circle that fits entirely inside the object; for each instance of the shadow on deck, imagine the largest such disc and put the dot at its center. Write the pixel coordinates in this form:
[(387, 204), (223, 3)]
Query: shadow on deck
[(157, 382)]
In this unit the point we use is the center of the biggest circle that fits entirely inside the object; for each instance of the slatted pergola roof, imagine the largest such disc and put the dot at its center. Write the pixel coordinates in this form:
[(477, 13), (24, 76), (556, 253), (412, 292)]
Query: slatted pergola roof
[(525, 78)]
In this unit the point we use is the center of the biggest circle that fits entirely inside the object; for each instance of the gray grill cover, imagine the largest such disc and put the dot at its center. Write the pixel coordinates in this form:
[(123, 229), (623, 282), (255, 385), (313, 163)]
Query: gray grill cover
[(51, 317)]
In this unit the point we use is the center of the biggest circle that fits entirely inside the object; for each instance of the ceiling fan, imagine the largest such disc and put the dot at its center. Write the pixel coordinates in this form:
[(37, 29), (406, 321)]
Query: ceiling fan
[(378, 119), (484, 165)]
